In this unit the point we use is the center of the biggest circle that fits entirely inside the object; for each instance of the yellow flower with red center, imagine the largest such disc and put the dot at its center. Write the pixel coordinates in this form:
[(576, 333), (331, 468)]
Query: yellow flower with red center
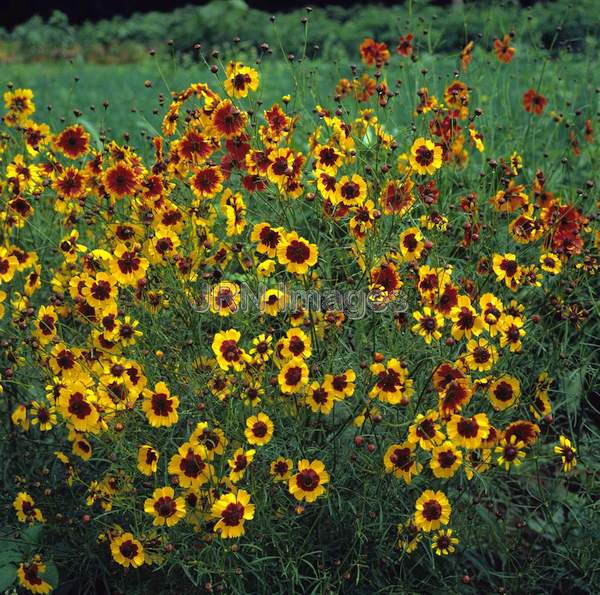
[(281, 469), (19, 102), (466, 322), (296, 253), (229, 354), (127, 265), (296, 343), (511, 332), (504, 392), (481, 355), (224, 298), (550, 263), (468, 432), (30, 576), (412, 243), (400, 460), (240, 80), (293, 376), (75, 403), (73, 142), (341, 385), (206, 182), (259, 429), (510, 452), (350, 191), (425, 156), (425, 431), (272, 302), (308, 483), (445, 460), (320, 398), (232, 510), (392, 385), (190, 464), (160, 406), (567, 453), (443, 542), (127, 551), (507, 269), (267, 238), (432, 510), (428, 324), (239, 462), (164, 507), (26, 510), (147, 460)]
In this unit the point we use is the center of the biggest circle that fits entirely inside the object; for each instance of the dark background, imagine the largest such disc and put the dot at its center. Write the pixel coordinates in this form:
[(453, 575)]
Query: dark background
[(14, 12)]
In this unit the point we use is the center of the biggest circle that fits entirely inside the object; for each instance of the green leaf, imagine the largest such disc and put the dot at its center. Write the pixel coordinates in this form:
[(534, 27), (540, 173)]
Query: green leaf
[(32, 534), (51, 574), (10, 555), (8, 574)]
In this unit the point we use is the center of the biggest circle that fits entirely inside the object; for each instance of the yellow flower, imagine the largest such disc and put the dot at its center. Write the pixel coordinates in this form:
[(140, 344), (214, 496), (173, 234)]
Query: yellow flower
[(293, 376), (445, 460), (147, 459), (26, 511), (297, 253), (232, 510), (164, 507), (307, 483), (504, 392), (468, 432), (227, 351), (425, 156), (160, 406), (400, 460), (443, 543), (428, 324), (510, 452), (127, 551), (29, 576), (281, 469), (567, 453), (259, 429), (240, 80), (432, 510)]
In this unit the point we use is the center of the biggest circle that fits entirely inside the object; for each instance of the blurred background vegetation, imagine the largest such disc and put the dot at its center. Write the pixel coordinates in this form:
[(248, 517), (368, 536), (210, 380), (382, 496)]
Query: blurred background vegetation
[(334, 29)]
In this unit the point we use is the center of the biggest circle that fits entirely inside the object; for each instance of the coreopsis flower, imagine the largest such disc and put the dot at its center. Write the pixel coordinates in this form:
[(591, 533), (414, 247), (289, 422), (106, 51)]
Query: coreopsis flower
[(232, 510), (504, 392), (425, 156), (320, 398), (73, 142), (350, 191), (212, 439), (272, 302), (432, 510), (533, 102), (239, 462), (75, 403), (511, 332), (19, 102), (504, 51), (397, 197), (240, 80), (127, 265), (392, 382), (405, 47), (481, 355), (147, 460), (445, 460), (164, 507), (466, 322), (228, 352), (261, 349), (259, 429), (491, 312), (341, 385), (206, 182), (443, 542), (550, 263), (425, 431), (408, 536), (99, 291), (42, 415), (374, 53), (127, 551), (429, 324), (308, 483), (190, 464), (296, 253), (466, 55), (228, 120), (412, 243), (30, 576), (400, 460), (281, 469), (26, 510), (8, 265), (224, 298), (507, 269), (160, 406), (267, 238), (567, 453), (510, 452), (293, 376), (295, 343), (468, 432)]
